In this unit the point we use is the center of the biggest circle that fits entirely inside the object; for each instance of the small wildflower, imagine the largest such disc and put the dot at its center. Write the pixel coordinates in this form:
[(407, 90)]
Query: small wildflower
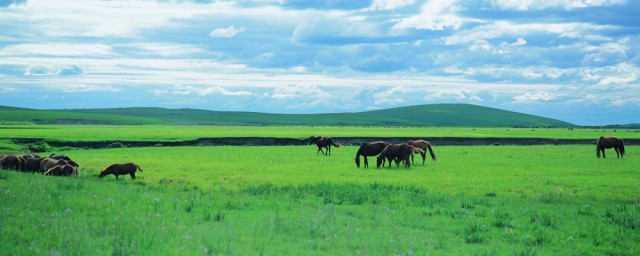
[(69, 210)]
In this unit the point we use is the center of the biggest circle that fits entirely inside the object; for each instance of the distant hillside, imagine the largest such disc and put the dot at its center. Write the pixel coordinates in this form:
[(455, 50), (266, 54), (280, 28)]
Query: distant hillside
[(423, 115)]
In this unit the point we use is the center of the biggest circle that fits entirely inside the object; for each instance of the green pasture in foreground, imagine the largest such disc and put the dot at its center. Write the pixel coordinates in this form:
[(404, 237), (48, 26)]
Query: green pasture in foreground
[(479, 200), (179, 133)]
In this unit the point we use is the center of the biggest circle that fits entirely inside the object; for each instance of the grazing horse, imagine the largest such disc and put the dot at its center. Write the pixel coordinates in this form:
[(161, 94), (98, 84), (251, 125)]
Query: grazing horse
[(11, 162), (398, 153), (323, 142), (369, 149), (121, 169), (610, 142), (62, 170), (424, 145)]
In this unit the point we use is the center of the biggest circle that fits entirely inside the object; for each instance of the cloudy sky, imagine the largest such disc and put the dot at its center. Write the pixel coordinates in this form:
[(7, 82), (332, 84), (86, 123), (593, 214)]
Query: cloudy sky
[(574, 60)]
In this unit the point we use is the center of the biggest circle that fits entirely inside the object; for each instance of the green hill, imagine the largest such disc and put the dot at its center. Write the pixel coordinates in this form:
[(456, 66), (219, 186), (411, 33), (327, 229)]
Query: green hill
[(433, 115)]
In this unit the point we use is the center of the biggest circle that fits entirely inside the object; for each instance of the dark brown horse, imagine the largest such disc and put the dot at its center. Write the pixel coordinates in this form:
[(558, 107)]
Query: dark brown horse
[(398, 153), (323, 142), (121, 169), (610, 142), (424, 145), (369, 149), (62, 170), (12, 162)]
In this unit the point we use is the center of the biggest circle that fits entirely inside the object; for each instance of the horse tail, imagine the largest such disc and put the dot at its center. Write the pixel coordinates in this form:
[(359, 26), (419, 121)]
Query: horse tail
[(433, 154), (138, 167), (621, 148)]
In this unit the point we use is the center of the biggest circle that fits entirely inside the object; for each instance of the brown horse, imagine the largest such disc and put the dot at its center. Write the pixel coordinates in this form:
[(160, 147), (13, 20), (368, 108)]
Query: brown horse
[(62, 170), (610, 142), (12, 162), (398, 153), (121, 169), (424, 145), (369, 149), (323, 142)]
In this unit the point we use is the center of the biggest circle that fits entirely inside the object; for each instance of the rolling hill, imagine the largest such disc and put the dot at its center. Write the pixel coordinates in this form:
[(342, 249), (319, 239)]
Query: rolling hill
[(420, 115)]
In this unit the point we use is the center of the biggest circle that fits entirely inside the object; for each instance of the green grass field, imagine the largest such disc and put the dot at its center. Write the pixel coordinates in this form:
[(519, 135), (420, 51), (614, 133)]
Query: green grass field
[(181, 133), (476, 200)]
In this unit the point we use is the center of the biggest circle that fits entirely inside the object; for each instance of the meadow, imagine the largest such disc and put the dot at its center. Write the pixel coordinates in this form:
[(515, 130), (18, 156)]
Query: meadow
[(180, 133), (274, 200)]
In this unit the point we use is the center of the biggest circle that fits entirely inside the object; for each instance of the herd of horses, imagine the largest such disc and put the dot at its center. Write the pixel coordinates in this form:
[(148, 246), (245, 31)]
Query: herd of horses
[(400, 153), (59, 165), (62, 165), (385, 152)]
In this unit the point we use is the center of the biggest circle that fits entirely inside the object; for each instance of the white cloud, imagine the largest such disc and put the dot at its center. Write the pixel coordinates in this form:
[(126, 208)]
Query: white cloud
[(519, 42), (434, 15), (69, 70), (4, 89), (392, 96), (89, 88), (203, 91), (525, 5), (298, 91), (93, 18), (386, 5), (622, 73), (500, 29), (605, 54), (58, 50), (227, 32), (535, 97), (165, 49)]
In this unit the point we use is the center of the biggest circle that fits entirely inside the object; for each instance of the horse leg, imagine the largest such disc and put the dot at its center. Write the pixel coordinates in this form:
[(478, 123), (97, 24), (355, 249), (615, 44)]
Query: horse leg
[(133, 175), (603, 156), (329, 150), (617, 152), (319, 150), (366, 163), (424, 156)]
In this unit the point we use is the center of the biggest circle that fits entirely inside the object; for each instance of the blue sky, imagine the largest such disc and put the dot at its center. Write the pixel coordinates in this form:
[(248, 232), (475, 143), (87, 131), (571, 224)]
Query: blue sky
[(574, 60)]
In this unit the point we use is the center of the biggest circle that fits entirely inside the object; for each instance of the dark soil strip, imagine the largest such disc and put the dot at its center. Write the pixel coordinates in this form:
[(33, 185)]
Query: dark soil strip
[(265, 141)]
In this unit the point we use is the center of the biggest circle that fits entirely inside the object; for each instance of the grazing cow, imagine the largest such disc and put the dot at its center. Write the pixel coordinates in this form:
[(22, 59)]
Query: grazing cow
[(121, 169)]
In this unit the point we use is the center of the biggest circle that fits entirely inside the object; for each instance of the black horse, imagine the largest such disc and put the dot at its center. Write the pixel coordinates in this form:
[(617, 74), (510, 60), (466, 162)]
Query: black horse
[(369, 149), (610, 142), (323, 142)]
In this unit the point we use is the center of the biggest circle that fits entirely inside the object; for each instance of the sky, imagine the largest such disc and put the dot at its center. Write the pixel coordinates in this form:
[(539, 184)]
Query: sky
[(573, 60)]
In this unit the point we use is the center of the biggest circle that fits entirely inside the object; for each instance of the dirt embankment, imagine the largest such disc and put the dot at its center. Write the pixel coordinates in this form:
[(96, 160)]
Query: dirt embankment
[(266, 141)]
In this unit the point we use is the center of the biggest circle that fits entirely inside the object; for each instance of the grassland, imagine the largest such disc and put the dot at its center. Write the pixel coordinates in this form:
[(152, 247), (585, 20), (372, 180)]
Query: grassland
[(181, 133), (481, 200), (433, 115)]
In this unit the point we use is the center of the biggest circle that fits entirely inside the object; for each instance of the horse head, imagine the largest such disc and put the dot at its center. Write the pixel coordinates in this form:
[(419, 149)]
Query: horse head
[(357, 159)]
